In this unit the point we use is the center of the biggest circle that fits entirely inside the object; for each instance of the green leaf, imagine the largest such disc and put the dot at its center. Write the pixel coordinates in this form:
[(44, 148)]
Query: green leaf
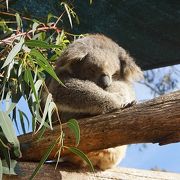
[(8, 130), (74, 126), (11, 107), (43, 159), (81, 155), (1, 169), (30, 78), (42, 62), (48, 101), (10, 67), (41, 44), (7, 5), (34, 26), (5, 151), (13, 52), (19, 21), (22, 121), (8, 100), (6, 169), (24, 116), (41, 133), (51, 108), (38, 116), (26, 79), (37, 85), (68, 12)]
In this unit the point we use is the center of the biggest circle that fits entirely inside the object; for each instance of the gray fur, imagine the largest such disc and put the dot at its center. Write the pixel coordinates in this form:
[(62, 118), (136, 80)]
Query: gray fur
[(98, 76)]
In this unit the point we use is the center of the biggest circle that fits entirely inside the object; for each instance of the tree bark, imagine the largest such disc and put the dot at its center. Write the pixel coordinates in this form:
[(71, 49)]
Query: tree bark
[(154, 121), (24, 170)]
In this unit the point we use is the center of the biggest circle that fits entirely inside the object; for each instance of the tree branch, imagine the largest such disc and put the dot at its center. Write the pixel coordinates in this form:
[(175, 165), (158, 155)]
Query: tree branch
[(154, 121)]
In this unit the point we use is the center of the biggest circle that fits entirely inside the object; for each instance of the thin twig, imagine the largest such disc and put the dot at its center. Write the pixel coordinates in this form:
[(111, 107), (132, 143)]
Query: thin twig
[(59, 18), (10, 39), (11, 14)]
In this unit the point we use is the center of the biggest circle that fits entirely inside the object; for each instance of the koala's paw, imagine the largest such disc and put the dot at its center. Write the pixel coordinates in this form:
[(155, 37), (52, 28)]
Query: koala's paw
[(129, 104)]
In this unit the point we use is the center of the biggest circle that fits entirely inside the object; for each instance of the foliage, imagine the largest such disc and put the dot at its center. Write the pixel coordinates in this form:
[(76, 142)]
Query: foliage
[(29, 49)]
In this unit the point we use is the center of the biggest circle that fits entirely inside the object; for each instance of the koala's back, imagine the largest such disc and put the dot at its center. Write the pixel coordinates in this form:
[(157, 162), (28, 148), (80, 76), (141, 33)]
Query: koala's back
[(90, 87), (89, 44)]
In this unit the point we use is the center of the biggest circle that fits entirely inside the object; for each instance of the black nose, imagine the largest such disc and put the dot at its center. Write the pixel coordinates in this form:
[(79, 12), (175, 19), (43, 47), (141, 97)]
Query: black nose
[(104, 81)]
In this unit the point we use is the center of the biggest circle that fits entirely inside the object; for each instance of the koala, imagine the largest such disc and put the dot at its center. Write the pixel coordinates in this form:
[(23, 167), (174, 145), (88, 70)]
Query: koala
[(98, 76)]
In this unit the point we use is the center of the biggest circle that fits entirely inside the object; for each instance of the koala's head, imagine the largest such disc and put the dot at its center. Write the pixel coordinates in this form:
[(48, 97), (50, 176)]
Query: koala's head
[(97, 58)]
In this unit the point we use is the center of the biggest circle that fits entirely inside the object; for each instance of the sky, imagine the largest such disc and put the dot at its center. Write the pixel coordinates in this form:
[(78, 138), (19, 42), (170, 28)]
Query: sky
[(164, 157)]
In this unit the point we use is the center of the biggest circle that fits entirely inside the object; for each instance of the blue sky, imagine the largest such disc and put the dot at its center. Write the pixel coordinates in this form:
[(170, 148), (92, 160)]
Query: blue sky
[(164, 157)]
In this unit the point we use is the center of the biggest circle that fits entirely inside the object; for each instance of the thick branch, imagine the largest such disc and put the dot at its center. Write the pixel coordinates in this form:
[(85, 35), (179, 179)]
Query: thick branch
[(24, 171), (155, 121)]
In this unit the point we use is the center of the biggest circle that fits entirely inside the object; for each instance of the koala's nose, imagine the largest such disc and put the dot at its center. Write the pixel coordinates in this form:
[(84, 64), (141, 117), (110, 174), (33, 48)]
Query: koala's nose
[(104, 81)]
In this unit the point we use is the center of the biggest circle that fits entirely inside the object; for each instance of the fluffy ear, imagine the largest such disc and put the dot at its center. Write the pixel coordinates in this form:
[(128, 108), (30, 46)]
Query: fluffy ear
[(75, 52), (129, 70)]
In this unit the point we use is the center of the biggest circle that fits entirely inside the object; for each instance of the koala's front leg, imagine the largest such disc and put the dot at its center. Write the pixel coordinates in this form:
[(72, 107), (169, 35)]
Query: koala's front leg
[(83, 97), (123, 92)]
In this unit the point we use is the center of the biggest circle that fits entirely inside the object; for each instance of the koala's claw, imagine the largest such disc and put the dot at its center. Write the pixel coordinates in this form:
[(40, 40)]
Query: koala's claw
[(128, 104)]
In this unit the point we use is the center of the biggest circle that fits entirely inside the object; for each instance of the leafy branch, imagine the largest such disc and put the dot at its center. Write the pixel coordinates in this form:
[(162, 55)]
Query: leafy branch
[(10, 39), (28, 55)]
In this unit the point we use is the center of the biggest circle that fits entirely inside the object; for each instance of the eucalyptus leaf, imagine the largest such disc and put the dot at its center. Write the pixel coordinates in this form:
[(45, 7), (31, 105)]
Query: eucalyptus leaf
[(8, 130), (90, 1), (1, 169), (6, 169), (37, 85), (34, 27), (51, 108), (7, 5), (38, 116), (30, 78), (25, 116), (19, 21), (40, 44), (22, 121), (48, 101), (42, 62), (5, 151), (8, 100), (13, 52), (68, 12), (20, 70), (74, 126), (43, 159), (26, 79), (10, 67), (11, 107), (81, 155)]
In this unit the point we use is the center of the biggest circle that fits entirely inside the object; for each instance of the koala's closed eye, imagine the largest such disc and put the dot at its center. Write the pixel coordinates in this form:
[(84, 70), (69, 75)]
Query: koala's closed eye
[(116, 75), (92, 70)]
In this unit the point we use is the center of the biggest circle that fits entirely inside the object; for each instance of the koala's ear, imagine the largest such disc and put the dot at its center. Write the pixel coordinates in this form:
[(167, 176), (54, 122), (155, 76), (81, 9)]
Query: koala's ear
[(74, 53), (129, 70)]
